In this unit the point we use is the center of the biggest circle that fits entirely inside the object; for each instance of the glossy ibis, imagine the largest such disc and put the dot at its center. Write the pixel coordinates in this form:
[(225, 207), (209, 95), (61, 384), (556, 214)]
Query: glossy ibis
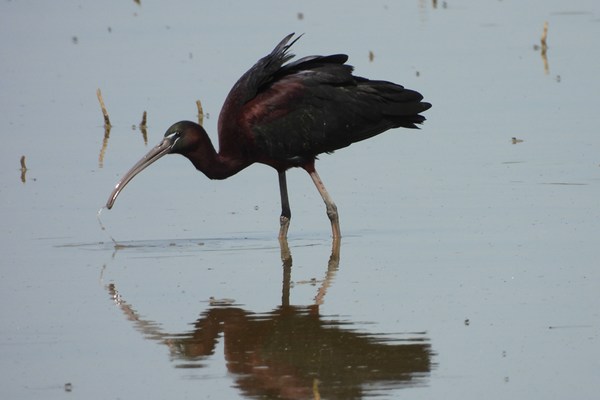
[(284, 114)]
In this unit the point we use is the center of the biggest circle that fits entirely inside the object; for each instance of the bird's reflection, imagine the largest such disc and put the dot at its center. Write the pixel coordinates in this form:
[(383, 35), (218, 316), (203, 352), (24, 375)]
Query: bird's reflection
[(293, 352)]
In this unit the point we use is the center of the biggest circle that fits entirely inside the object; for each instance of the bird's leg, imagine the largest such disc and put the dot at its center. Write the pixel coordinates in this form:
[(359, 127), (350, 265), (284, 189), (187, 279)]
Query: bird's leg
[(332, 212), (286, 213)]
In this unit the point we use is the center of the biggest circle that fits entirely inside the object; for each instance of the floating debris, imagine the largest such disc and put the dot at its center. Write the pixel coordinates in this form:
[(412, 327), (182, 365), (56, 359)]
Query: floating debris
[(220, 302), (300, 16), (516, 140), (311, 281), (68, 387), (371, 56)]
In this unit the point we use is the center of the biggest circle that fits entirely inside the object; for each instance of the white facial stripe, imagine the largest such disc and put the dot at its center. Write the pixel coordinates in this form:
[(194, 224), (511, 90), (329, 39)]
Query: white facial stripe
[(173, 137)]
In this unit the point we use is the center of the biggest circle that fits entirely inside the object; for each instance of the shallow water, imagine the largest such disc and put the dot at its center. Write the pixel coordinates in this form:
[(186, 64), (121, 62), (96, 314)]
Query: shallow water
[(468, 265)]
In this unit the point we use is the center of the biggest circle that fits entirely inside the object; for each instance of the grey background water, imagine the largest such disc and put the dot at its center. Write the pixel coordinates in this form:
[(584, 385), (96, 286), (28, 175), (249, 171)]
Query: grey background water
[(468, 265)]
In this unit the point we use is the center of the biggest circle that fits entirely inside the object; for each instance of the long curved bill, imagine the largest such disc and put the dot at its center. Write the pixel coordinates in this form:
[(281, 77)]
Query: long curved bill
[(157, 152)]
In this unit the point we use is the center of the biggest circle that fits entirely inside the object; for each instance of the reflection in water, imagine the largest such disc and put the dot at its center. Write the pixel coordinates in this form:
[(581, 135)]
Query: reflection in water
[(434, 4), (294, 352)]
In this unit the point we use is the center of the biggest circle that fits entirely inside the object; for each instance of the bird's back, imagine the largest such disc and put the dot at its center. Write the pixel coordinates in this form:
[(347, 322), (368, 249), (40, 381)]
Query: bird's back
[(287, 114)]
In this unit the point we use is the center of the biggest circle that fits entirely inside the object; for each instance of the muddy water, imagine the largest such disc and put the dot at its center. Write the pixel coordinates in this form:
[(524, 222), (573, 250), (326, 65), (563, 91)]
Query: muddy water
[(468, 265)]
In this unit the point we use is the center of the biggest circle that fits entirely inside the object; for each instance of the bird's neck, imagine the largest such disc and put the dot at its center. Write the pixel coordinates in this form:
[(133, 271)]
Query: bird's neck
[(215, 165)]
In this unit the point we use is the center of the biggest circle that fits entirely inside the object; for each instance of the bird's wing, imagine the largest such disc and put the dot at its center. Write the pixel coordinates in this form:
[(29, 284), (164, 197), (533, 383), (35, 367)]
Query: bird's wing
[(315, 105), (261, 73), (232, 136)]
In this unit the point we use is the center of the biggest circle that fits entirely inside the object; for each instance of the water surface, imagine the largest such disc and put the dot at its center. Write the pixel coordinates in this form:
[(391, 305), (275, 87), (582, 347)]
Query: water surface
[(468, 265)]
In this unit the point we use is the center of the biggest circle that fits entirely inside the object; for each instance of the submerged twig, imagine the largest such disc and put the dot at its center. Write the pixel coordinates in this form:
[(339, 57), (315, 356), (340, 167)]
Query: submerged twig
[(143, 127), (104, 145), (544, 35), (103, 107), (107, 127), (144, 118), (23, 170)]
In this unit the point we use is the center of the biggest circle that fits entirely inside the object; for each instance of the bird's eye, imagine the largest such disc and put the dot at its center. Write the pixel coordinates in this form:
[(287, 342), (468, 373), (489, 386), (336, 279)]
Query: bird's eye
[(174, 136)]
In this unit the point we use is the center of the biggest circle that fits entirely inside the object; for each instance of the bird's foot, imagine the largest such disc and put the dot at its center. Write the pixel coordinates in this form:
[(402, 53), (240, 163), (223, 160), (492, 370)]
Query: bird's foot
[(335, 229), (284, 225), (335, 220)]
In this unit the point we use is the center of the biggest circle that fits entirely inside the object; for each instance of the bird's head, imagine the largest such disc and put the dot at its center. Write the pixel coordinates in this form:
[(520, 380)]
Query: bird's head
[(180, 138), (183, 137)]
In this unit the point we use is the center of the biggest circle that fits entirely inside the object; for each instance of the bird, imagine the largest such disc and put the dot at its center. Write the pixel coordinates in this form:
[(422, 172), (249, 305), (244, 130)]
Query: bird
[(284, 114)]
